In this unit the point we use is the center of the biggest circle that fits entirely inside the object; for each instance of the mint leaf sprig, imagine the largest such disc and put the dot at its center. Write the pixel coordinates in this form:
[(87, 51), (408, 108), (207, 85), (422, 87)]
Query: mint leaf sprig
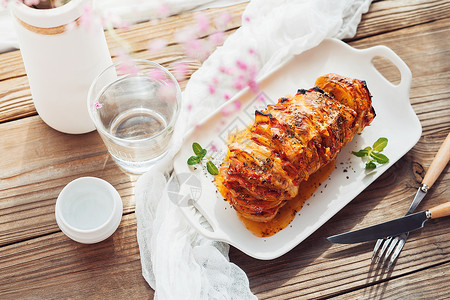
[(373, 153), (199, 156)]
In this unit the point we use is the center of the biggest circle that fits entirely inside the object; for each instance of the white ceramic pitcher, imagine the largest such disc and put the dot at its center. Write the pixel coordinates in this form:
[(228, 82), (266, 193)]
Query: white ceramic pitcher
[(61, 62)]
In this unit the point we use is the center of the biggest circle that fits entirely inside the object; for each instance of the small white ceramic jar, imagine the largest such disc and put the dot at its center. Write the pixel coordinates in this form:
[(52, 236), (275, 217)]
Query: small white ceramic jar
[(61, 61), (88, 210)]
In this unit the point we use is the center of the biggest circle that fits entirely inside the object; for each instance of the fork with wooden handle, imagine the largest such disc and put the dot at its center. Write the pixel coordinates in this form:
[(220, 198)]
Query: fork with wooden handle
[(437, 165)]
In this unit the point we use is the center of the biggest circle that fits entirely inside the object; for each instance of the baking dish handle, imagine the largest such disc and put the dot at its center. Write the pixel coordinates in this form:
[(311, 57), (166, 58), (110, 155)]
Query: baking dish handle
[(385, 52), (200, 221)]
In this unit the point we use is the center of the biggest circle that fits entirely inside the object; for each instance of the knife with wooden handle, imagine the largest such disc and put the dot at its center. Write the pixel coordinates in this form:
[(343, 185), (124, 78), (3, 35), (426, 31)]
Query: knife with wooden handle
[(438, 164), (392, 228)]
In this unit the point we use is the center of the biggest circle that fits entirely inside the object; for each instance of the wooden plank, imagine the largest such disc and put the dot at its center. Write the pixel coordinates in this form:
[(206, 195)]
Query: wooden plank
[(56, 267), (400, 288), (32, 176), (391, 15)]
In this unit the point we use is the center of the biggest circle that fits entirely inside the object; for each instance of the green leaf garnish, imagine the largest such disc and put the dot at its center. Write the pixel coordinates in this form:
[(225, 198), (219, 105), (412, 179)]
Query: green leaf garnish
[(373, 154), (380, 144), (212, 169), (371, 165), (199, 156), (197, 148), (362, 152), (202, 154), (379, 158), (193, 160)]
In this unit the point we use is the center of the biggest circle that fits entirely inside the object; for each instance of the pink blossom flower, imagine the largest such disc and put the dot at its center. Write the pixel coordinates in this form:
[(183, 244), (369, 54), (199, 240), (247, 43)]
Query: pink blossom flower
[(242, 65), (189, 107), (86, 19), (222, 20), (180, 71), (225, 70), (237, 105), (227, 96), (217, 38), (97, 105), (157, 74), (163, 11), (109, 19), (157, 45), (212, 89), (31, 2), (192, 47), (238, 85), (253, 86), (168, 92), (124, 25), (213, 147), (202, 22), (197, 49), (126, 63), (225, 111), (185, 34)]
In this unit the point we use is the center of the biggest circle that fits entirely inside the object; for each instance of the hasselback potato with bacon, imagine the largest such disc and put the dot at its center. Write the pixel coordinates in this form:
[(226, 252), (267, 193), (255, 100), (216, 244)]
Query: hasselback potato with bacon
[(289, 141)]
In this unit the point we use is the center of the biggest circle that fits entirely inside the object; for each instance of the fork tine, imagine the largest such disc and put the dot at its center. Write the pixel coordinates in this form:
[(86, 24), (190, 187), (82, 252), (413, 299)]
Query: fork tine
[(389, 250), (375, 249), (385, 244), (398, 249)]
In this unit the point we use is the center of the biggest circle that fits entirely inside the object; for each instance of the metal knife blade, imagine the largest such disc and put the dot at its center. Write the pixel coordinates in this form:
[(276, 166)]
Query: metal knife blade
[(386, 229), (421, 192)]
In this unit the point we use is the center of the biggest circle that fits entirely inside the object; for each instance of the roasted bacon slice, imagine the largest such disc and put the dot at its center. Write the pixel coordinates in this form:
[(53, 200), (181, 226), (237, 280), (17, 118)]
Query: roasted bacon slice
[(289, 141)]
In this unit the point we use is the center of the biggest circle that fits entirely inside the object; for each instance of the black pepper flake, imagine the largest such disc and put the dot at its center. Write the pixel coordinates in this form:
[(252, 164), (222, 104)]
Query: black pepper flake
[(347, 177), (345, 170), (318, 89)]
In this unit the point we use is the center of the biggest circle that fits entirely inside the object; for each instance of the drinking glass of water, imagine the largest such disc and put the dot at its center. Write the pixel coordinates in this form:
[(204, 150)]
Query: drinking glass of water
[(134, 106)]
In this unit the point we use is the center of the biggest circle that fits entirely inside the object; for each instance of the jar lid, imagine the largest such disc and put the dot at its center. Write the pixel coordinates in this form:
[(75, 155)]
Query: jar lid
[(88, 210)]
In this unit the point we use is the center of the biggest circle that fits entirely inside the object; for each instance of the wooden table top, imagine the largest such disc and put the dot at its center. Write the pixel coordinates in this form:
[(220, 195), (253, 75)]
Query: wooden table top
[(38, 261)]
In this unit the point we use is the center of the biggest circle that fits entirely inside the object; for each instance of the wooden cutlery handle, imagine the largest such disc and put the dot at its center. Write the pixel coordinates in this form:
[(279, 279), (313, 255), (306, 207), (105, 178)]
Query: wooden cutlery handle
[(441, 210), (438, 164)]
